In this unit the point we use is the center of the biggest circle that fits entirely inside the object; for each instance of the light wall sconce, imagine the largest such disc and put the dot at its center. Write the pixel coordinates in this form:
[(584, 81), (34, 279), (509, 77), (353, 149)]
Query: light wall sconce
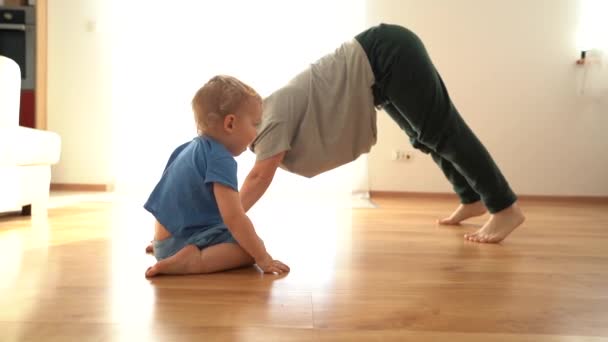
[(583, 58)]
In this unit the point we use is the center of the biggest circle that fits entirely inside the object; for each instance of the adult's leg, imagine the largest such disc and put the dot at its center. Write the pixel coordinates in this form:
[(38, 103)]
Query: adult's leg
[(416, 89), (470, 200), (459, 183)]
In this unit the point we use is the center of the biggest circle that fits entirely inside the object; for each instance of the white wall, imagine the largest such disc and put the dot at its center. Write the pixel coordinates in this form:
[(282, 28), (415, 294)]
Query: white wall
[(161, 58), (509, 68), (78, 91), (122, 75)]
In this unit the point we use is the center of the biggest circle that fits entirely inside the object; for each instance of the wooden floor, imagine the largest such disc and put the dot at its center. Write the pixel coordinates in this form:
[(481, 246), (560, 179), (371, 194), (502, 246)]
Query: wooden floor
[(384, 274)]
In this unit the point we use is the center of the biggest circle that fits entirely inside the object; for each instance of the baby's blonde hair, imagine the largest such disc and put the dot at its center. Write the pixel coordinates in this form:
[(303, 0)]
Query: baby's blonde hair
[(221, 96)]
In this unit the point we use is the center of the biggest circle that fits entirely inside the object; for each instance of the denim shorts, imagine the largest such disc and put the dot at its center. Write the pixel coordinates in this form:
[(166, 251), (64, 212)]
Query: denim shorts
[(206, 237)]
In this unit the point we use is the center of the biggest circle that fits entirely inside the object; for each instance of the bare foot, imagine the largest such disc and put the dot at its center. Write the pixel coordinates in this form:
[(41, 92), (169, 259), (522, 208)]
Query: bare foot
[(499, 226), (463, 212), (149, 249), (182, 262)]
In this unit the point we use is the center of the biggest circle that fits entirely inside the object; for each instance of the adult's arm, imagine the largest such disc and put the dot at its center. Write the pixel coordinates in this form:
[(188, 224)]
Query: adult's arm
[(259, 179)]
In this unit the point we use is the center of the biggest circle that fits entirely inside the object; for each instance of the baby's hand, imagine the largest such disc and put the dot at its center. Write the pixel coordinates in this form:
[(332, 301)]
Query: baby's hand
[(269, 265)]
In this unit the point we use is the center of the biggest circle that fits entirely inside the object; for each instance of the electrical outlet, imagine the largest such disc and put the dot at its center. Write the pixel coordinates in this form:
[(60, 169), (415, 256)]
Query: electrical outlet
[(401, 155)]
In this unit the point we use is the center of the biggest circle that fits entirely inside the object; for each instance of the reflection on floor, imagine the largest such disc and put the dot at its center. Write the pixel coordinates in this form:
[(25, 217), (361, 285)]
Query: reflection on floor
[(383, 274), (65, 198)]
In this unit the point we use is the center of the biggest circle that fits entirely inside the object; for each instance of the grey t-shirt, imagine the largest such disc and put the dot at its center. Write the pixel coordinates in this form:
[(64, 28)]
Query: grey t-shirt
[(324, 117)]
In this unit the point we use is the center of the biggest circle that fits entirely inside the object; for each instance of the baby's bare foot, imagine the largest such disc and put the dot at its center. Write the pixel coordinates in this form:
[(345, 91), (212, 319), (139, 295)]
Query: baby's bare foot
[(463, 212), (149, 249), (499, 226), (182, 262)]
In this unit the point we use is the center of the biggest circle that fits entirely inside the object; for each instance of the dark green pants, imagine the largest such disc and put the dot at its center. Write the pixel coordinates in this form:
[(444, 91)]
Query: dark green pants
[(411, 91)]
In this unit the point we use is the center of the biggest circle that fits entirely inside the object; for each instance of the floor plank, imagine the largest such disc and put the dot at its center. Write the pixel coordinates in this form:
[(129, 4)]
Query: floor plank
[(388, 274)]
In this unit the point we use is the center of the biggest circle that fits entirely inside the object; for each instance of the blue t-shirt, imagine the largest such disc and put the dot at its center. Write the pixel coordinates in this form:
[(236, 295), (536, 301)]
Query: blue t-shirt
[(183, 200)]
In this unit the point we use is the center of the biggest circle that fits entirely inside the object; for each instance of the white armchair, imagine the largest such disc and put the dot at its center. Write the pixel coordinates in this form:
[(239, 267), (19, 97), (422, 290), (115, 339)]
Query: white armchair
[(26, 154)]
